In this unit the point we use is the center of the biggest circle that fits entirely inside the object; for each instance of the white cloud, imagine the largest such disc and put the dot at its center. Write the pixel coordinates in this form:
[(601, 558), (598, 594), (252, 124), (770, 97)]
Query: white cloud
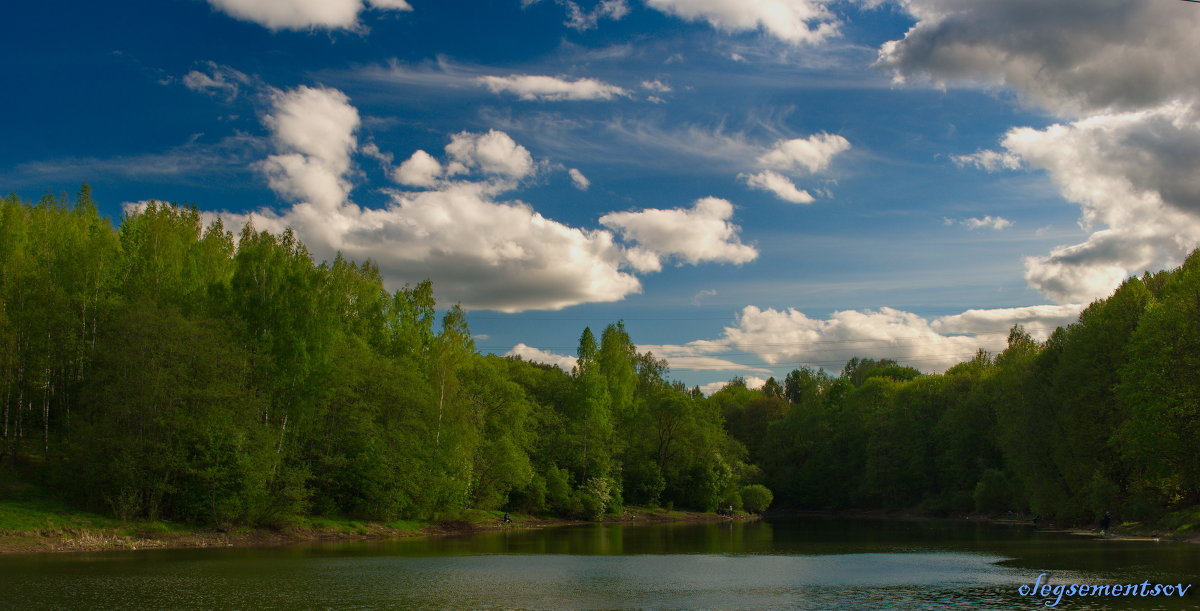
[(481, 252), (812, 154), (1123, 75), (991, 161), (701, 295), (551, 88), (313, 130), (420, 170), (580, 181), (395, 5), (780, 185), (790, 338), (697, 356), (494, 153), (1038, 320), (643, 260), (793, 21), (1133, 176), (537, 355), (219, 80), (1076, 56), (797, 155), (699, 234), (752, 382), (581, 19), (303, 14), (656, 86), (989, 221), (372, 150)]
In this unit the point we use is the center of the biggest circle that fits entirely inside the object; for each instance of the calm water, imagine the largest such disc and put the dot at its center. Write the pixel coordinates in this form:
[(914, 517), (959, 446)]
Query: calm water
[(810, 563)]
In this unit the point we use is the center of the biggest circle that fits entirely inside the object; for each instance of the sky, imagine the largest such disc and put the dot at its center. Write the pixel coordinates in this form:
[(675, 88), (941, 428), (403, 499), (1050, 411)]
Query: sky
[(751, 186)]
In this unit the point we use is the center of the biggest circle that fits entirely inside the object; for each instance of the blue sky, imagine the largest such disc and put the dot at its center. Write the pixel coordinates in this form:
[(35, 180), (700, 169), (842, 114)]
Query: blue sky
[(750, 186)]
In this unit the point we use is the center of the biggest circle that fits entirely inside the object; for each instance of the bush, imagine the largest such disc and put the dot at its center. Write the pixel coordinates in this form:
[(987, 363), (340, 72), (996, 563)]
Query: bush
[(756, 498)]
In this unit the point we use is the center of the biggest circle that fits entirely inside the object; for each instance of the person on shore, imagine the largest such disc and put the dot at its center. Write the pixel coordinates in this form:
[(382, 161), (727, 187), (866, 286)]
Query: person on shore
[(507, 518), (1105, 522)]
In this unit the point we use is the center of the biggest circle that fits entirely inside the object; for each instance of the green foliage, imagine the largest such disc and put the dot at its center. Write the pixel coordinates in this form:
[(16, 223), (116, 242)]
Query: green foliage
[(756, 498), (164, 371), (995, 493)]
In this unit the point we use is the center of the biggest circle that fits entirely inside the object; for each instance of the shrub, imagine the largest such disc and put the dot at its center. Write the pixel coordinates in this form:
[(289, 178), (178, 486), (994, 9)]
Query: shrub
[(756, 498)]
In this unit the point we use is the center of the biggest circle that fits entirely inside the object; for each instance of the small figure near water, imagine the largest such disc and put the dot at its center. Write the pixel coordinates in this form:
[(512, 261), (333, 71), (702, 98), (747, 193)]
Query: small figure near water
[(1105, 522), (507, 518)]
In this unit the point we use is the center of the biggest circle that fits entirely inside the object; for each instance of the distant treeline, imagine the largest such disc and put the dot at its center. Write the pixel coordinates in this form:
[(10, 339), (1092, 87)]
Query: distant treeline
[(164, 370), (1102, 416)]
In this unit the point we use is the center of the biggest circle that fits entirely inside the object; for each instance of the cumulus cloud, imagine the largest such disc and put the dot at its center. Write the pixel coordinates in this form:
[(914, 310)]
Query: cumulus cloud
[(797, 156), (656, 86), (812, 154), (1073, 57), (313, 132), (480, 251), (537, 355), (792, 21), (483, 253), (701, 233), (780, 185), (419, 170), (303, 14), (790, 338), (697, 356), (1132, 175), (752, 382), (1038, 320), (1122, 75), (552, 88), (493, 153), (643, 260), (580, 181)]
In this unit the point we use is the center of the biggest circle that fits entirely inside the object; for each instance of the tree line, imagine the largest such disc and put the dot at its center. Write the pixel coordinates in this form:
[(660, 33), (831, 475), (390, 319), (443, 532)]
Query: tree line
[(1102, 416), (162, 369)]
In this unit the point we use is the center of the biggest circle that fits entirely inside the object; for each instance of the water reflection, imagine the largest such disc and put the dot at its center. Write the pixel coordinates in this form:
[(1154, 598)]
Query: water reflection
[(815, 563)]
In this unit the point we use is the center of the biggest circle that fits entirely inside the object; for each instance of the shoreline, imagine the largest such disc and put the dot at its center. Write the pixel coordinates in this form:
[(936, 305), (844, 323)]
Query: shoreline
[(1117, 533), (136, 537), (143, 536)]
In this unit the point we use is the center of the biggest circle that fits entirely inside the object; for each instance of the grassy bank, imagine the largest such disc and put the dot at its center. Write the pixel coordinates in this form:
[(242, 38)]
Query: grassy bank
[(45, 525)]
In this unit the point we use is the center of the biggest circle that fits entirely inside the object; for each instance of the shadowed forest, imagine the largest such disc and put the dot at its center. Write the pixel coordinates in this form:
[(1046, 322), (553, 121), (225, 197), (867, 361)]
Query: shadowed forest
[(166, 370)]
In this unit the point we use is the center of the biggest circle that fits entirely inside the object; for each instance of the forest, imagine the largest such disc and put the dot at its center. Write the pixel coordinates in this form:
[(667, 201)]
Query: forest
[(163, 369)]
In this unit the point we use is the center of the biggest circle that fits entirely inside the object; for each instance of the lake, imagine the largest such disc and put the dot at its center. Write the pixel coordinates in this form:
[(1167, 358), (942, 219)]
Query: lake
[(801, 563)]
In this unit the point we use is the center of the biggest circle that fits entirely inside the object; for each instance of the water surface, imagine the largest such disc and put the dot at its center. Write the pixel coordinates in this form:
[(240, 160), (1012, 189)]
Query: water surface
[(809, 563)]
